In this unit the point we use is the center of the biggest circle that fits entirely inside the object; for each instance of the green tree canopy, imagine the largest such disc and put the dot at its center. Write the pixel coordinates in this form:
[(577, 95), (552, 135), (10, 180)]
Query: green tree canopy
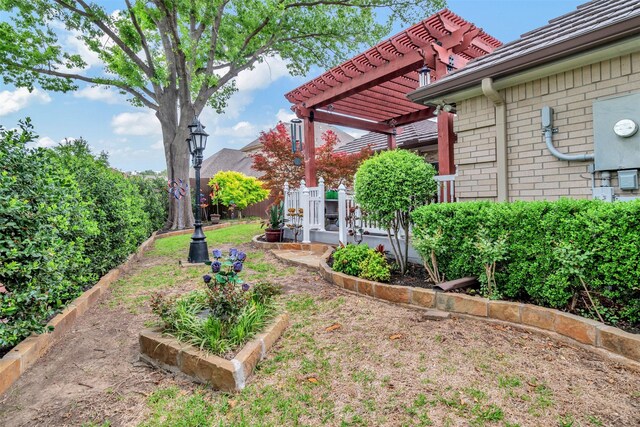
[(238, 189), (176, 56)]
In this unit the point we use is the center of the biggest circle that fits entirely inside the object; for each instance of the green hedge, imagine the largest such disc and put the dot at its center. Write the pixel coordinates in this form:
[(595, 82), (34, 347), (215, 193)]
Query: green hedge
[(66, 218), (550, 247)]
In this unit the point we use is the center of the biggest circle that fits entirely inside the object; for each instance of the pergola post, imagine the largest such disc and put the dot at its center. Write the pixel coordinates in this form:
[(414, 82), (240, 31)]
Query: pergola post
[(309, 151), (391, 141), (446, 139)]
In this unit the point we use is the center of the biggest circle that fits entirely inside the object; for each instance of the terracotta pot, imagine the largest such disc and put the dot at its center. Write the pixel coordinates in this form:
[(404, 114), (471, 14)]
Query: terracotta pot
[(273, 236), (215, 218)]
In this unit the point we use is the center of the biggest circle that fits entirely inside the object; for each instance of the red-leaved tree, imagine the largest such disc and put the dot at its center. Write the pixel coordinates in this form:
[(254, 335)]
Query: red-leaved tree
[(339, 167), (276, 161)]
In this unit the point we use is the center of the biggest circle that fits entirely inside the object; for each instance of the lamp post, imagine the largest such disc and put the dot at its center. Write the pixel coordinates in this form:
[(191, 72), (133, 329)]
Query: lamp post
[(198, 252)]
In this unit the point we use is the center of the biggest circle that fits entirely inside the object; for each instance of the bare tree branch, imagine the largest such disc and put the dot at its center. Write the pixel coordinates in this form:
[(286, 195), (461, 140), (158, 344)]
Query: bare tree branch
[(143, 40), (213, 45), (99, 81), (89, 14)]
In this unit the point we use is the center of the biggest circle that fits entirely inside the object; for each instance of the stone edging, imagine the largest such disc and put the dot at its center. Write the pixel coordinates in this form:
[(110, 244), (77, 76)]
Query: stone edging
[(582, 330), (25, 354), (228, 375), (318, 248)]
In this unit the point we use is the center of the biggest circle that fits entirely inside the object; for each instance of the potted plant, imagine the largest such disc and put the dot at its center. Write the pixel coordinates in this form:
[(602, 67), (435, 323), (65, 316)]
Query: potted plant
[(215, 192), (274, 222)]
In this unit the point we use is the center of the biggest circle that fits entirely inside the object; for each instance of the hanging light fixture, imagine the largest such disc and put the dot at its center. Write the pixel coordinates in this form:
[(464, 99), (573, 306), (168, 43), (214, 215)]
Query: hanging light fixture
[(296, 139), (425, 75)]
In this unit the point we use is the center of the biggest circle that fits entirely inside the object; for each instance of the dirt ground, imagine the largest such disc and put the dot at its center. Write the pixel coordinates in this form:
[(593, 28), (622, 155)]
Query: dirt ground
[(376, 367)]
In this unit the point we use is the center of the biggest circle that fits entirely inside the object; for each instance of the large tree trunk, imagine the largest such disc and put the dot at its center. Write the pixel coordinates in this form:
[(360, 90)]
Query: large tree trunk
[(177, 157)]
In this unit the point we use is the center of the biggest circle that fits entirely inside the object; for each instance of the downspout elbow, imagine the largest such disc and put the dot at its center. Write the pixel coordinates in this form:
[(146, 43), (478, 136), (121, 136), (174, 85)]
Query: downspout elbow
[(490, 92)]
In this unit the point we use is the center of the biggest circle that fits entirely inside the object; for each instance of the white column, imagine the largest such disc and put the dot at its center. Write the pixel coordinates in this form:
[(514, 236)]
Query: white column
[(304, 204), (286, 198), (342, 214), (321, 217)]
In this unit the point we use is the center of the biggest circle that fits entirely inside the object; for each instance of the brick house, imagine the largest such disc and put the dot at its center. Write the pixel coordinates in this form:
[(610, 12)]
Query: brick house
[(585, 66)]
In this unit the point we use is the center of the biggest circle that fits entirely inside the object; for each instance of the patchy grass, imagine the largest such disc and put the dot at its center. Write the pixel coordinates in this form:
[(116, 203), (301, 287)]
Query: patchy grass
[(178, 246), (134, 290)]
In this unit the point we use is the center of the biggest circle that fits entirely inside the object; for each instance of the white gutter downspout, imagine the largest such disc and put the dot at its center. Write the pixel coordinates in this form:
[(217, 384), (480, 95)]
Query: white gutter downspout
[(501, 137)]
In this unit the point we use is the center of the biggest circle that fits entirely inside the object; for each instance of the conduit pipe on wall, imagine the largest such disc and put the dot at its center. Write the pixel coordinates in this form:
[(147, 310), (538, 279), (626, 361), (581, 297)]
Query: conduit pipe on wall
[(548, 130), (501, 137)]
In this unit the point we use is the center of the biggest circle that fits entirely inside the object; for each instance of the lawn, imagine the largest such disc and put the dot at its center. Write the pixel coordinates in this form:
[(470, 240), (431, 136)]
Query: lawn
[(345, 360)]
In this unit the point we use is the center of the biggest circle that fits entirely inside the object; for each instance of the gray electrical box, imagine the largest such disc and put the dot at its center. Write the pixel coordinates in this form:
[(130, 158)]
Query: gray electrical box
[(615, 133), (628, 180)]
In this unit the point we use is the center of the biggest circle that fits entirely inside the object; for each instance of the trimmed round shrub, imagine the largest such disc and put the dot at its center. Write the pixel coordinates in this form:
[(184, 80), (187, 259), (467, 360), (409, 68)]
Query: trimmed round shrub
[(375, 267), (393, 182), (391, 185), (347, 259)]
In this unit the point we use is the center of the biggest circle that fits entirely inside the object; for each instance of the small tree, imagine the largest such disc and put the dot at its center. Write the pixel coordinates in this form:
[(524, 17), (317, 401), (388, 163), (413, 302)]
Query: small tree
[(238, 189), (389, 186), (429, 246), (338, 167), (276, 160), (490, 252)]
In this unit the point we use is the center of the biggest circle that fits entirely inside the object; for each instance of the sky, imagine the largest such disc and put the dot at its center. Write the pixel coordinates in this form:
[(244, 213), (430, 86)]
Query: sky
[(132, 135)]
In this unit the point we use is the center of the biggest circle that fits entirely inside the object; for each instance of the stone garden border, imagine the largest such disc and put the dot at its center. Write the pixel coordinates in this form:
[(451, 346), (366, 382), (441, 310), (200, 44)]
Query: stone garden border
[(584, 331), (25, 354), (228, 375)]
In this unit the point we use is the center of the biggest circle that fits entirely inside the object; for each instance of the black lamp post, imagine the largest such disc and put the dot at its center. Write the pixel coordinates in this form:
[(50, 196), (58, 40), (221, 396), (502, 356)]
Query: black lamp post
[(198, 252)]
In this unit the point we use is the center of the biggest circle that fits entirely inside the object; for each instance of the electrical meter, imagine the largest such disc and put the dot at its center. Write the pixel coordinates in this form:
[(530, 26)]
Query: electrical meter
[(625, 128)]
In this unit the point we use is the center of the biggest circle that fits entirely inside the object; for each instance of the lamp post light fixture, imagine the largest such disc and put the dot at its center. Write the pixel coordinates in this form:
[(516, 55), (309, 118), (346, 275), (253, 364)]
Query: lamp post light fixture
[(198, 252)]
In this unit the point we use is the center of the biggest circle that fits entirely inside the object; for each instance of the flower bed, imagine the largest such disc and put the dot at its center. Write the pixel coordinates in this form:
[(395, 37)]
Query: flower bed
[(228, 375), (215, 321)]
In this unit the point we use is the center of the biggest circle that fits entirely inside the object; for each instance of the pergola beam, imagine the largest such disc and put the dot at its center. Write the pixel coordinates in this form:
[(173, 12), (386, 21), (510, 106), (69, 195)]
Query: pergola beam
[(410, 62), (352, 122)]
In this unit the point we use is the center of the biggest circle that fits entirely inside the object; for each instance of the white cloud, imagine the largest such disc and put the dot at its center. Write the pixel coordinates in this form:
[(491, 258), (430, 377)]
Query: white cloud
[(237, 104), (99, 93), (239, 130), (46, 142), (77, 46), (263, 74), (158, 145), (285, 116), (141, 124), (13, 101)]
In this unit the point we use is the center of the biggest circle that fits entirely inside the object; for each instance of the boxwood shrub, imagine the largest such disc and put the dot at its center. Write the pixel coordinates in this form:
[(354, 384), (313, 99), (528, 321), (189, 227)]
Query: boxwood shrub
[(66, 218), (361, 261), (550, 247)]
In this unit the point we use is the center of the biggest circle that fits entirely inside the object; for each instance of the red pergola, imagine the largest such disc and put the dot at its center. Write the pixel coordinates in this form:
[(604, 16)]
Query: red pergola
[(369, 91)]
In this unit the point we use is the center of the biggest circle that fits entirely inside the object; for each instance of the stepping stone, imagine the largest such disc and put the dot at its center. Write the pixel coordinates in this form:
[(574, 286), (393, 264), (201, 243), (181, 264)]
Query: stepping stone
[(436, 315)]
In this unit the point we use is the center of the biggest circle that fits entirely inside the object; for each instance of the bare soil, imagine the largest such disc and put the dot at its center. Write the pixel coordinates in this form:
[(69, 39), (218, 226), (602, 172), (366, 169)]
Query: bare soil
[(374, 367)]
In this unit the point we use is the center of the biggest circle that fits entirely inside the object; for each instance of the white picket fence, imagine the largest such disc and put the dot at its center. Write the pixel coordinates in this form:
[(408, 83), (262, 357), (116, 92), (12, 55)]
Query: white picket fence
[(312, 201)]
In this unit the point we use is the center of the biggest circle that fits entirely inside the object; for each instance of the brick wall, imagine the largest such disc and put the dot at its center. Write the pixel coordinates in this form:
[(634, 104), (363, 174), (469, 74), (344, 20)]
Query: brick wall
[(533, 173)]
